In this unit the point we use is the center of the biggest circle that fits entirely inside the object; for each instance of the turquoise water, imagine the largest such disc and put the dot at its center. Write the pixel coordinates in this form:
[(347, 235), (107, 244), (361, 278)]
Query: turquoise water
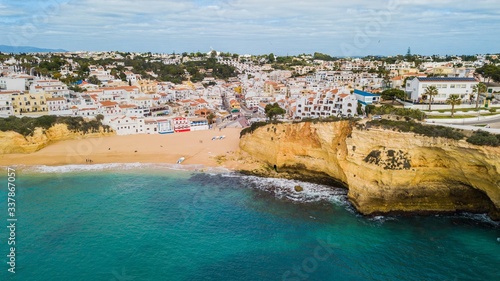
[(154, 223)]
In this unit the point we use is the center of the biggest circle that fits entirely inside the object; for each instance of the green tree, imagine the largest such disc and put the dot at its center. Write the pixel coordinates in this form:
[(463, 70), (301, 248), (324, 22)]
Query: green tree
[(99, 117), (273, 110), (56, 75), (321, 56), (453, 100), (489, 71), (484, 138), (271, 58), (393, 94), (478, 89), (430, 92), (211, 118), (93, 80), (122, 76), (369, 109), (359, 109)]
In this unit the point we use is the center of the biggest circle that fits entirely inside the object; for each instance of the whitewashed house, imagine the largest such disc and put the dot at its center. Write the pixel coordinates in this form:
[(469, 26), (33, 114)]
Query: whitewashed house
[(198, 124), (446, 86), (366, 98), (6, 108), (125, 125), (325, 103)]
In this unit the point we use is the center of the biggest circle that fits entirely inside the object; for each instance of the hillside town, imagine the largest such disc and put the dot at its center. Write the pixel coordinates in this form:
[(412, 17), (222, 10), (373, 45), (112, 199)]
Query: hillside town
[(170, 93)]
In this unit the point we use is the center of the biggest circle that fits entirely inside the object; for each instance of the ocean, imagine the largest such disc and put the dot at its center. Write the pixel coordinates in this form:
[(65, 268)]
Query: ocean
[(153, 222)]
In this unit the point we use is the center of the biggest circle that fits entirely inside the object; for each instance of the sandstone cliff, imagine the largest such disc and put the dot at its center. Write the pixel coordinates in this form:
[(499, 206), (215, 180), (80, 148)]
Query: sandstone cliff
[(12, 142), (385, 171)]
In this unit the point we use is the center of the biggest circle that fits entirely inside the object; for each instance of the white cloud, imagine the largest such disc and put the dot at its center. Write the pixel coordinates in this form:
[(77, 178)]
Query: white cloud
[(284, 24), (6, 11)]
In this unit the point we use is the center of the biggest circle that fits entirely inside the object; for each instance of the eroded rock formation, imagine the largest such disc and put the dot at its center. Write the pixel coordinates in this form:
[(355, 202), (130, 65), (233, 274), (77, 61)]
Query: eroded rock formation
[(385, 171), (12, 142)]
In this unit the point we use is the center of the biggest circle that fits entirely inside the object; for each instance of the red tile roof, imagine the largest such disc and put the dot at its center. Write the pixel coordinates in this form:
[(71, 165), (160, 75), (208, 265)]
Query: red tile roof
[(108, 103)]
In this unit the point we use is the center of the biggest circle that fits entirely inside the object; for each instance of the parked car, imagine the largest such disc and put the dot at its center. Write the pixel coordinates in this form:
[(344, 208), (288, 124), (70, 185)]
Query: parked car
[(376, 117)]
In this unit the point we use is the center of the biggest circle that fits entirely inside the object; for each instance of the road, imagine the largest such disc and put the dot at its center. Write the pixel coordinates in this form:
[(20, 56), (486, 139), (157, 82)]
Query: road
[(493, 123), (478, 121)]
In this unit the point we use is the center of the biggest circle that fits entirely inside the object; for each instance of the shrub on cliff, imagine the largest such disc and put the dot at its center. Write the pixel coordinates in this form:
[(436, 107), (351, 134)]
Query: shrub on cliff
[(252, 128), (327, 119), (405, 112), (26, 125), (417, 128), (484, 138)]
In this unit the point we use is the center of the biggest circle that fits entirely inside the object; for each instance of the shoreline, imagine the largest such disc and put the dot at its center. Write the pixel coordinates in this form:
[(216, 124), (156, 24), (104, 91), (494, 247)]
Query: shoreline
[(196, 147), (201, 153)]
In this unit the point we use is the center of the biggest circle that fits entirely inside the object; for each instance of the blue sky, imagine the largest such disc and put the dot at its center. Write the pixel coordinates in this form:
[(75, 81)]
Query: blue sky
[(339, 28)]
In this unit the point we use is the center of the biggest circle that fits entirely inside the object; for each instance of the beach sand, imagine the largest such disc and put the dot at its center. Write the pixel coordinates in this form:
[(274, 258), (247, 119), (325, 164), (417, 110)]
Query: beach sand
[(196, 147)]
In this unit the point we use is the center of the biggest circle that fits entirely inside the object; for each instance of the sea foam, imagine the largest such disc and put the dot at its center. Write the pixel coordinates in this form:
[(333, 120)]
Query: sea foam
[(44, 169), (285, 189)]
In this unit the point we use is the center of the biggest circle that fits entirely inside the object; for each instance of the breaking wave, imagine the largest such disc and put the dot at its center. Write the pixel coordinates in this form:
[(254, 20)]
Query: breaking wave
[(306, 192)]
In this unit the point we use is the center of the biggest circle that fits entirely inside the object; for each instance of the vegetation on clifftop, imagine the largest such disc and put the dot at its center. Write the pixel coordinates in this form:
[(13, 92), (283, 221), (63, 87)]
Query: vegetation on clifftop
[(417, 128), (389, 109), (328, 119), (477, 138), (252, 128), (484, 138), (26, 125)]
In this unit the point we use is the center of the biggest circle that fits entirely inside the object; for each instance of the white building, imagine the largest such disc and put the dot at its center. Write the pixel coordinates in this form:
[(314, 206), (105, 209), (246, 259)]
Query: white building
[(132, 77), (100, 73), (57, 104), (6, 105), (135, 111), (181, 124), (198, 124), (446, 86), (366, 98), (125, 125), (109, 108), (165, 126), (53, 88), (85, 111), (325, 103), (12, 84)]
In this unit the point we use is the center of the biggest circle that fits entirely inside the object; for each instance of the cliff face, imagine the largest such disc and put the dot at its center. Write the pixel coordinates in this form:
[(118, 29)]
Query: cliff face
[(385, 171), (12, 142)]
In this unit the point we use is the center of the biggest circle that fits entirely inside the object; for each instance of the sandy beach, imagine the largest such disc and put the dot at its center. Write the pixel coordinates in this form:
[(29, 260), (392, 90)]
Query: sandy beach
[(196, 147)]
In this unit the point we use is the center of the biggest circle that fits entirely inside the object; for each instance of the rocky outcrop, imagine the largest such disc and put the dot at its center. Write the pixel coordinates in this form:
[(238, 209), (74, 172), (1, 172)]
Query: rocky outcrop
[(385, 171), (12, 142)]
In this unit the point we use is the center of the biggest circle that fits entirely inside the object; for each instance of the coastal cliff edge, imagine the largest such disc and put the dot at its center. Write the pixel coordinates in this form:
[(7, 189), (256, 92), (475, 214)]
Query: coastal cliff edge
[(385, 171)]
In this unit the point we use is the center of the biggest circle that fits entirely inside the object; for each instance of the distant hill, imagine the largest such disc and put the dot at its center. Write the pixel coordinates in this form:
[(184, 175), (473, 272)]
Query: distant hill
[(27, 49)]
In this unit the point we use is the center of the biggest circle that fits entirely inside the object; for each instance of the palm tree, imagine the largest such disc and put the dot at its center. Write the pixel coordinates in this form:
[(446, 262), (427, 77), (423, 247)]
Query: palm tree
[(453, 100), (479, 88), (211, 118), (431, 91)]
